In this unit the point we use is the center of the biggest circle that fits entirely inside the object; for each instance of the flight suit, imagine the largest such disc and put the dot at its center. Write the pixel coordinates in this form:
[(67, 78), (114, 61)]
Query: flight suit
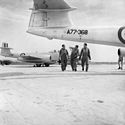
[(73, 61), (64, 58), (120, 60), (85, 56)]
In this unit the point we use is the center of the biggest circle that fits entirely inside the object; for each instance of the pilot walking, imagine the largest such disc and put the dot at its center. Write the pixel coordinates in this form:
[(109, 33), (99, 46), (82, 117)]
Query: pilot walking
[(63, 54), (74, 56), (85, 57), (120, 60)]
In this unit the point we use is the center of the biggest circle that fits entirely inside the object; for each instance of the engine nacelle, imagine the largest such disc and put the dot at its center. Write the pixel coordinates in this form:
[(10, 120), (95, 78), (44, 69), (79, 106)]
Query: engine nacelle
[(46, 58), (121, 52), (6, 62), (54, 56)]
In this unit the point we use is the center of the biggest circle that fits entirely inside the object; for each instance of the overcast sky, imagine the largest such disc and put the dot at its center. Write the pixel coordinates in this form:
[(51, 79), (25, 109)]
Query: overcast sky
[(15, 14)]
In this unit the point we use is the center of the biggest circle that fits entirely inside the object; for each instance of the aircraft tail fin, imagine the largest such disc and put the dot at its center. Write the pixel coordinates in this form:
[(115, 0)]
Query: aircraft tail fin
[(5, 50), (50, 14)]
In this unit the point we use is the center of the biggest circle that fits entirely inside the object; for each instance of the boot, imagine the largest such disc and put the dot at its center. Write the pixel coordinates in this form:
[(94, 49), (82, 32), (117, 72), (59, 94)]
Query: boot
[(82, 68), (119, 67), (87, 68)]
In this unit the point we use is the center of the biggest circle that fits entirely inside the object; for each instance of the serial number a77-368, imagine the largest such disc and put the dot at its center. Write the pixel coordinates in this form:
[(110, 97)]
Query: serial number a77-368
[(77, 31)]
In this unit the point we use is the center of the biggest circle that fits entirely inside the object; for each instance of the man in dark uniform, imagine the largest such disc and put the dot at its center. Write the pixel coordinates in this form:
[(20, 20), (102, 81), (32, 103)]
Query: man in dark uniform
[(74, 56), (120, 60), (85, 57), (63, 54)]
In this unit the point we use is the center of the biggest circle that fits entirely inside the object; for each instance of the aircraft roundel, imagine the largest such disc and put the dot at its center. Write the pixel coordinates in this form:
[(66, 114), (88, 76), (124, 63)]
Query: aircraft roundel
[(121, 34)]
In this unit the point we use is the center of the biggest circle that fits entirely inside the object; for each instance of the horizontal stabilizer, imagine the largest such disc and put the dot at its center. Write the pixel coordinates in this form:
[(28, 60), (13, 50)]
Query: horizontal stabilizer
[(53, 10), (5, 46), (5, 50)]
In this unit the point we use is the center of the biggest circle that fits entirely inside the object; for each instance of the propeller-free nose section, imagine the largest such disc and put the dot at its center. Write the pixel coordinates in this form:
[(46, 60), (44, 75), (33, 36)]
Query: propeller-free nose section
[(121, 34)]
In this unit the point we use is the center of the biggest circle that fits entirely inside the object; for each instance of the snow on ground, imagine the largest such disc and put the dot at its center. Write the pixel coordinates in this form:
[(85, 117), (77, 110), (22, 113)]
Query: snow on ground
[(47, 96)]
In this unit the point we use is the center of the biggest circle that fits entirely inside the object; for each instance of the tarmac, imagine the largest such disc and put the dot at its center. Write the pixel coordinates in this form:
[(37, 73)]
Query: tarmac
[(48, 96)]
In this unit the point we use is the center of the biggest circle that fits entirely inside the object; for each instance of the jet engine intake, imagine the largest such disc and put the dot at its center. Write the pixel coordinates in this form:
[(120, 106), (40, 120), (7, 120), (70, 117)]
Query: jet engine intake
[(46, 58), (121, 34), (6, 62)]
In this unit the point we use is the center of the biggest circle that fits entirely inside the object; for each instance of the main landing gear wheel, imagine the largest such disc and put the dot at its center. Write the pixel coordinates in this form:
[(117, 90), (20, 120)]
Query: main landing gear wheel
[(37, 65), (46, 65)]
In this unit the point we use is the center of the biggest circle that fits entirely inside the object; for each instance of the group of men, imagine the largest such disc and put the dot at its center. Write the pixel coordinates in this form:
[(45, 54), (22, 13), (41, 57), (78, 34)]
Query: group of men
[(84, 56)]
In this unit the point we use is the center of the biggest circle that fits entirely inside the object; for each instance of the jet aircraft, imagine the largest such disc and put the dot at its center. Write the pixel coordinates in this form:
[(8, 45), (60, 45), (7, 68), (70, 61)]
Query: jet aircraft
[(38, 59), (50, 19)]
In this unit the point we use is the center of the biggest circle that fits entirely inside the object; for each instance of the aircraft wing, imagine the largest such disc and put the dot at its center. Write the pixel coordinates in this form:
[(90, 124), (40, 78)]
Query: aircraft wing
[(35, 59), (30, 59), (50, 4)]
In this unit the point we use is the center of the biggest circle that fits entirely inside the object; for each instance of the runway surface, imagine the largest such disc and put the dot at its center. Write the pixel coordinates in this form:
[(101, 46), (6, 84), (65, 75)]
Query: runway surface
[(47, 96)]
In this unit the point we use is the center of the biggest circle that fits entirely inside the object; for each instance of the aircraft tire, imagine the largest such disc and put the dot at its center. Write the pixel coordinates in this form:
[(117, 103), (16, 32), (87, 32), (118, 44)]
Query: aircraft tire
[(38, 65), (46, 65)]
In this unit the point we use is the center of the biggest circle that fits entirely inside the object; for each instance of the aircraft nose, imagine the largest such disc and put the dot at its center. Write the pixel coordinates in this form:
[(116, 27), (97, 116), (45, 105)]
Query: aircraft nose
[(121, 34)]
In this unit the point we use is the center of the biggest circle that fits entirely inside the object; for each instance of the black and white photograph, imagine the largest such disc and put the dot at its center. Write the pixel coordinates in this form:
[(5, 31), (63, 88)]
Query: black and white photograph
[(62, 62)]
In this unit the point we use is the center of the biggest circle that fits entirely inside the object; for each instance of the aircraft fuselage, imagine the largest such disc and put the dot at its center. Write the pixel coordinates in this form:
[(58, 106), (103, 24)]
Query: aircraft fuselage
[(106, 36)]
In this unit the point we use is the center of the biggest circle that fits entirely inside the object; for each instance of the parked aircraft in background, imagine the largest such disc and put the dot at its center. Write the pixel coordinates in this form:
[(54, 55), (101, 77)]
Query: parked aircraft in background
[(37, 59), (50, 19)]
